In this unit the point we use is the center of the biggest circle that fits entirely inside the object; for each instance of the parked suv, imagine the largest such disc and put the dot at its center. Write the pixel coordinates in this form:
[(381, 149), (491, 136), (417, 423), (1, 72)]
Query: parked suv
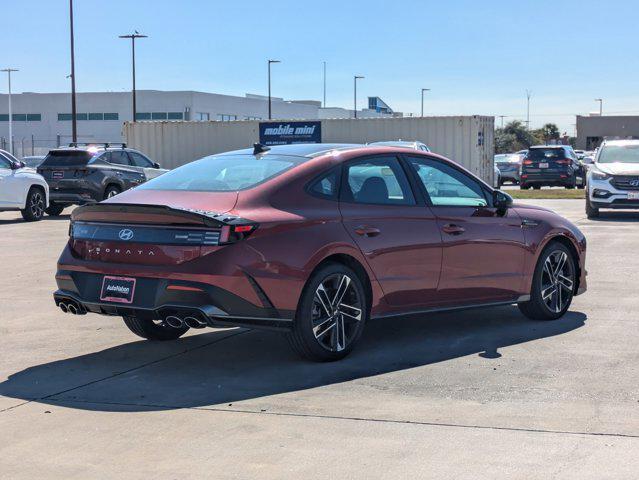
[(81, 174), (552, 165), (21, 188), (508, 165), (613, 179)]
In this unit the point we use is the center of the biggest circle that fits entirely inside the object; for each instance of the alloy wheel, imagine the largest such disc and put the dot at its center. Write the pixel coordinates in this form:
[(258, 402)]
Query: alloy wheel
[(36, 205), (557, 281), (112, 193), (336, 312)]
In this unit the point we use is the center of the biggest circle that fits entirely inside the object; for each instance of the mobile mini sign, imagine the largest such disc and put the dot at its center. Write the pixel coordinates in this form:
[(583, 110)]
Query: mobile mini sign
[(285, 133)]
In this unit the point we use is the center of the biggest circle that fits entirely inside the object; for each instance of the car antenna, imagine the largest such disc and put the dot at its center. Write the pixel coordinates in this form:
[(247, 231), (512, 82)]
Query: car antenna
[(259, 148)]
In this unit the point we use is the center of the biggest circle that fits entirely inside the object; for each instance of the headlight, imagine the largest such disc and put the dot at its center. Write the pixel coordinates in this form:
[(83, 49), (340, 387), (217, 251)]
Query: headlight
[(597, 175)]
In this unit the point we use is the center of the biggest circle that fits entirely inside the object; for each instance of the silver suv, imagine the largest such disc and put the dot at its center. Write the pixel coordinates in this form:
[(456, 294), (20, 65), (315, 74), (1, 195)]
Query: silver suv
[(613, 179)]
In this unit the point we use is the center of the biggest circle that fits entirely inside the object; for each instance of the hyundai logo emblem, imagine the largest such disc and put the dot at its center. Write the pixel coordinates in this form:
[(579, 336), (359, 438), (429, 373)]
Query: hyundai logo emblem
[(125, 234), (634, 183)]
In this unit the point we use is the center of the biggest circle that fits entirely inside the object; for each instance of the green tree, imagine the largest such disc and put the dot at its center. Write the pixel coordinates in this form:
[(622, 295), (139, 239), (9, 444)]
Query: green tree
[(513, 137), (548, 132)]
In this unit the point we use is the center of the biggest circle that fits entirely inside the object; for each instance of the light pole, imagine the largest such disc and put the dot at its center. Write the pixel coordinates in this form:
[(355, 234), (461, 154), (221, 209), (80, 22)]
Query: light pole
[(528, 95), (324, 102), (74, 124), (355, 78), (133, 36), (269, 86), (502, 120), (424, 90), (600, 100), (9, 70)]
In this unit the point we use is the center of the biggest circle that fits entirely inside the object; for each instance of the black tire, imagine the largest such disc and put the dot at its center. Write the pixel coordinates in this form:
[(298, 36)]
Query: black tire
[(151, 330), (591, 211), (310, 317), (55, 209), (34, 208), (524, 187), (537, 308), (111, 191), (537, 187)]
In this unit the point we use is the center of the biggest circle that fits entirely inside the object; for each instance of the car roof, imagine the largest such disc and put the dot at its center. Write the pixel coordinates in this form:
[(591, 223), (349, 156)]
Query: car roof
[(398, 143), (550, 146), (299, 149)]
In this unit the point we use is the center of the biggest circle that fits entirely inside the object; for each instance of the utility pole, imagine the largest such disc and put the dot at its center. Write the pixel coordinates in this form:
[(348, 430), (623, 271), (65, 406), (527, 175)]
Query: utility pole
[(9, 70), (424, 90), (600, 100), (74, 124), (269, 86), (324, 102), (355, 78), (528, 95), (133, 36), (502, 120)]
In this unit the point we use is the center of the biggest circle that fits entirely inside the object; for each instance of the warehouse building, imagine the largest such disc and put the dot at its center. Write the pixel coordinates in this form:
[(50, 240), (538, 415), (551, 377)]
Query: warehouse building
[(43, 120), (592, 130)]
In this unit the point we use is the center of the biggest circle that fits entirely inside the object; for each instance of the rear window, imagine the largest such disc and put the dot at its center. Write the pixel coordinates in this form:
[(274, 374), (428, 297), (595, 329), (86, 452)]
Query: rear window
[(546, 154), (61, 158), (223, 173)]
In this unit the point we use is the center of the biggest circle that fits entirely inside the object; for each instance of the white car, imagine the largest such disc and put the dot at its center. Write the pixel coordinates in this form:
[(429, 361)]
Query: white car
[(613, 178), (22, 188)]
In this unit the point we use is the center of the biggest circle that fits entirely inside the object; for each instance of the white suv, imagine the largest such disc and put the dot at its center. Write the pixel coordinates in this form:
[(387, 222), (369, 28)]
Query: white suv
[(613, 179), (22, 188)]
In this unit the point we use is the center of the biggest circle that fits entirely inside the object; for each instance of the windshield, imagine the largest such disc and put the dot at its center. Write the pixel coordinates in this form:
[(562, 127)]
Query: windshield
[(63, 158), (223, 173), (619, 154)]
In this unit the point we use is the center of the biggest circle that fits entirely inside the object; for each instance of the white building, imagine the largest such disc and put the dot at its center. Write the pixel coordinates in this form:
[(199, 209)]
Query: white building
[(43, 120)]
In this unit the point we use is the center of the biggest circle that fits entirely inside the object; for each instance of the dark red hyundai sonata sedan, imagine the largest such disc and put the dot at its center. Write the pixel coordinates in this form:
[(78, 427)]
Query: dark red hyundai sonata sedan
[(314, 240)]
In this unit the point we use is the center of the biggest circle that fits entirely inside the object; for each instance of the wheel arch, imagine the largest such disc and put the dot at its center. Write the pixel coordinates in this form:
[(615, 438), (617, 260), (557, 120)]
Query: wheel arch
[(570, 244), (35, 186)]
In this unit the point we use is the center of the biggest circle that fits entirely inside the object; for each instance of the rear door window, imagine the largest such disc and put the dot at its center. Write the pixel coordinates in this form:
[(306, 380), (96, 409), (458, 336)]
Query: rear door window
[(546, 154), (119, 157), (378, 181)]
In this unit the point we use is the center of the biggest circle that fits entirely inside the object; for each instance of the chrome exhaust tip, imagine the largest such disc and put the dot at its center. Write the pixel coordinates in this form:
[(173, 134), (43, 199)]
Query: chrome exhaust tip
[(174, 322), (71, 308), (194, 322), (63, 307)]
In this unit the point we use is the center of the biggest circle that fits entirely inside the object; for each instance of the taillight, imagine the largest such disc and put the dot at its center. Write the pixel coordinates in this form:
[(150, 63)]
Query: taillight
[(235, 233), (528, 162), (564, 161)]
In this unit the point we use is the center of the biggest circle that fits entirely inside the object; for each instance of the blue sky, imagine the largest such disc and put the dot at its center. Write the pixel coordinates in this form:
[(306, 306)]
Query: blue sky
[(477, 57)]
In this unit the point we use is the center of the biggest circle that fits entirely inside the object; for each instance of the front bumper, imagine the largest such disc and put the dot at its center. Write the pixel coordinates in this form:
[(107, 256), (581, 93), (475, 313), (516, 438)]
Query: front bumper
[(603, 194), (157, 298)]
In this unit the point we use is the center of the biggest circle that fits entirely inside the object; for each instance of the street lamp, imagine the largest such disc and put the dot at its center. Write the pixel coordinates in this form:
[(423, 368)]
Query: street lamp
[(355, 78), (528, 95), (269, 86), (424, 90), (74, 125), (600, 100), (9, 70), (133, 36)]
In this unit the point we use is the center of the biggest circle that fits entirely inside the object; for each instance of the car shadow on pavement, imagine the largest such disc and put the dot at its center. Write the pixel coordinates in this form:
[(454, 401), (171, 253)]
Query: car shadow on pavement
[(46, 218), (227, 366), (617, 216)]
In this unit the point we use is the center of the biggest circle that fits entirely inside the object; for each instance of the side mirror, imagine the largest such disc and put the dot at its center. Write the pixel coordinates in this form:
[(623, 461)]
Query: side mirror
[(17, 165), (156, 165), (501, 200)]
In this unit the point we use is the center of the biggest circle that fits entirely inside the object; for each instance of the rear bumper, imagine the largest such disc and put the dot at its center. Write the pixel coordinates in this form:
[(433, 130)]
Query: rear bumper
[(78, 197), (156, 298), (550, 180)]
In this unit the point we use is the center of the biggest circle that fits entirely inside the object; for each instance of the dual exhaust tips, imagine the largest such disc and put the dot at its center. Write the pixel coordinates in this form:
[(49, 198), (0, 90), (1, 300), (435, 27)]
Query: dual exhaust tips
[(72, 308), (189, 321)]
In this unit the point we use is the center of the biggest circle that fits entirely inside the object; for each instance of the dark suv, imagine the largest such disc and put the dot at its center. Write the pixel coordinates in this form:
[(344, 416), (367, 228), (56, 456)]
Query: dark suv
[(81, 174), (552, 165)]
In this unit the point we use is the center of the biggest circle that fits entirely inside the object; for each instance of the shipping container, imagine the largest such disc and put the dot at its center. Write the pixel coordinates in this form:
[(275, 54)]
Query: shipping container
[(467, 140)]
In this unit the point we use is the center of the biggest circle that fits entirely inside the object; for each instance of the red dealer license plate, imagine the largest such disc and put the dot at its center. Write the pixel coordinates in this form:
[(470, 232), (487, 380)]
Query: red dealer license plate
[(117, 289)]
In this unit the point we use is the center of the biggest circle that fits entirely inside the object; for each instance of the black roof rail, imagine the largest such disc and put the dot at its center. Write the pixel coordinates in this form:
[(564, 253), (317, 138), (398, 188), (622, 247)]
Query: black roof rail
[(97, 144)]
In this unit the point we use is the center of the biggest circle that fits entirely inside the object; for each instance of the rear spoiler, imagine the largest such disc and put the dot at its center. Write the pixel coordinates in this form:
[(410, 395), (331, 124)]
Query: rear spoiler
[(153, 214)]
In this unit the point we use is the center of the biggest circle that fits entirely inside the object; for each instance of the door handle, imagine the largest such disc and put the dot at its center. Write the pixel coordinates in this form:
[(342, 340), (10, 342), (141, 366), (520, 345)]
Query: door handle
[(367, 231), (452, 229)]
